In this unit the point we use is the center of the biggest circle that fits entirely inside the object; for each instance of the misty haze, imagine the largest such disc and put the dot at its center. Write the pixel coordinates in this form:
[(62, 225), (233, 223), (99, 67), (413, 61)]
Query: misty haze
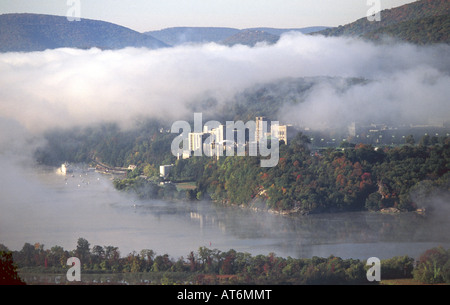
[(363, 149), (405, 83)]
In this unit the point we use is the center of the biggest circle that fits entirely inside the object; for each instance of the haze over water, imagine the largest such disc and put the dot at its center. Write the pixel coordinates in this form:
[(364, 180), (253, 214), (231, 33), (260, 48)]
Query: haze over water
[(53, 209)]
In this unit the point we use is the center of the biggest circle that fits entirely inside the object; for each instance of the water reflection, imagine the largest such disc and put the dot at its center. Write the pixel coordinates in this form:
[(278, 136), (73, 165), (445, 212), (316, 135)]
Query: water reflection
[(348, 235), (57, 210)]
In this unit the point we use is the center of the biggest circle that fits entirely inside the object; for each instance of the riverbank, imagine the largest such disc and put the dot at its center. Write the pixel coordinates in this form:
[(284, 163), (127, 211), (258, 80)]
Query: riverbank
[(260, 206)]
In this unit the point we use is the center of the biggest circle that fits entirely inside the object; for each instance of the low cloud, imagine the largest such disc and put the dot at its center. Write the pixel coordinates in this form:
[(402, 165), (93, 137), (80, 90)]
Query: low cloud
[(67, 87), (418, 95)]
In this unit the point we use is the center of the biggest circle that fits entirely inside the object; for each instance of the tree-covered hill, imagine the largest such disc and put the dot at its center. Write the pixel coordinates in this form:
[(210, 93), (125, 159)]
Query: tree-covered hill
[(181, 35), (433, 29), (251, 38), (419, 22), (359, 177), (38, 32)]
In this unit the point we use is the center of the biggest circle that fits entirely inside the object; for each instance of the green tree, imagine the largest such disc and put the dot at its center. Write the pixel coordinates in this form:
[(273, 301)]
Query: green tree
[(425, 140), (83, 251), (373, 202), (147, 256), (112, 259), (410, 140), (55, 255), (150, 171), (397, 267), (161, 263), (98, 251), (28, 255), (433, 266)]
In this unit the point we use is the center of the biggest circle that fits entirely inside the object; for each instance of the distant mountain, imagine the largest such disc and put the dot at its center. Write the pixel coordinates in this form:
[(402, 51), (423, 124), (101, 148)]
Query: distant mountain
[(181, 35), (412, 22), (279, 32), (250, 38), (37, 32)]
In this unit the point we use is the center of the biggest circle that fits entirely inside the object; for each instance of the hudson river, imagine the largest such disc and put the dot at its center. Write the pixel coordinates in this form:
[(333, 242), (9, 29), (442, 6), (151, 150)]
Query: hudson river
[(40, 205)]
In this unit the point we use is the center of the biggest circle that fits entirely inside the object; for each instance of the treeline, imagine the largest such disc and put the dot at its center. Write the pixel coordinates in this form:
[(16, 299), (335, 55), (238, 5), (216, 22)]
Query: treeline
[(212, 266)]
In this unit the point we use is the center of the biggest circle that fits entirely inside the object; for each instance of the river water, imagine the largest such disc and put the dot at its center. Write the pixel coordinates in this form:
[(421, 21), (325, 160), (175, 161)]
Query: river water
[(40, 205)]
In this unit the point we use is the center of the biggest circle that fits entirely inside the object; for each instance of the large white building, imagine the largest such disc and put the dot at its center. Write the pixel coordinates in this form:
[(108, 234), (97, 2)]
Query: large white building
[(195, 141), (213, 141), (164, 170), (280, 132), (210, 141), (259, 132)]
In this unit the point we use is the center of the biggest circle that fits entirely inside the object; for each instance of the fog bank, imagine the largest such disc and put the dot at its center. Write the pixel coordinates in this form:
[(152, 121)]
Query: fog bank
[(66, 87)]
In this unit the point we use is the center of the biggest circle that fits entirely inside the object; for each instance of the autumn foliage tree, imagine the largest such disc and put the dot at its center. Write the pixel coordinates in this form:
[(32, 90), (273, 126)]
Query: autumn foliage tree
[(8, 270)]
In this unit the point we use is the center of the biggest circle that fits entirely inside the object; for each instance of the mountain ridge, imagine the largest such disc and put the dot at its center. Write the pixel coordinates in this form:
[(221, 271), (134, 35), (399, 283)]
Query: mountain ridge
[(250, 38), (26, 32), (180, 35), (411, 14), (420, 22)]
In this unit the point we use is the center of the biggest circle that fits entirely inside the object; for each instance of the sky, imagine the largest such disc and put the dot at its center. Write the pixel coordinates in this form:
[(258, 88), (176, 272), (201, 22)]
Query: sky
[(147, 15)]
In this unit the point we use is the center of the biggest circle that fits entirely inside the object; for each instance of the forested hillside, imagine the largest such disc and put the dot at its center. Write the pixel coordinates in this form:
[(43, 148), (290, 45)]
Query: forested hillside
[(433, 29), (251, 38), (147, 143), (358, 177), (418, 22), (181, 35), (38, 32)]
